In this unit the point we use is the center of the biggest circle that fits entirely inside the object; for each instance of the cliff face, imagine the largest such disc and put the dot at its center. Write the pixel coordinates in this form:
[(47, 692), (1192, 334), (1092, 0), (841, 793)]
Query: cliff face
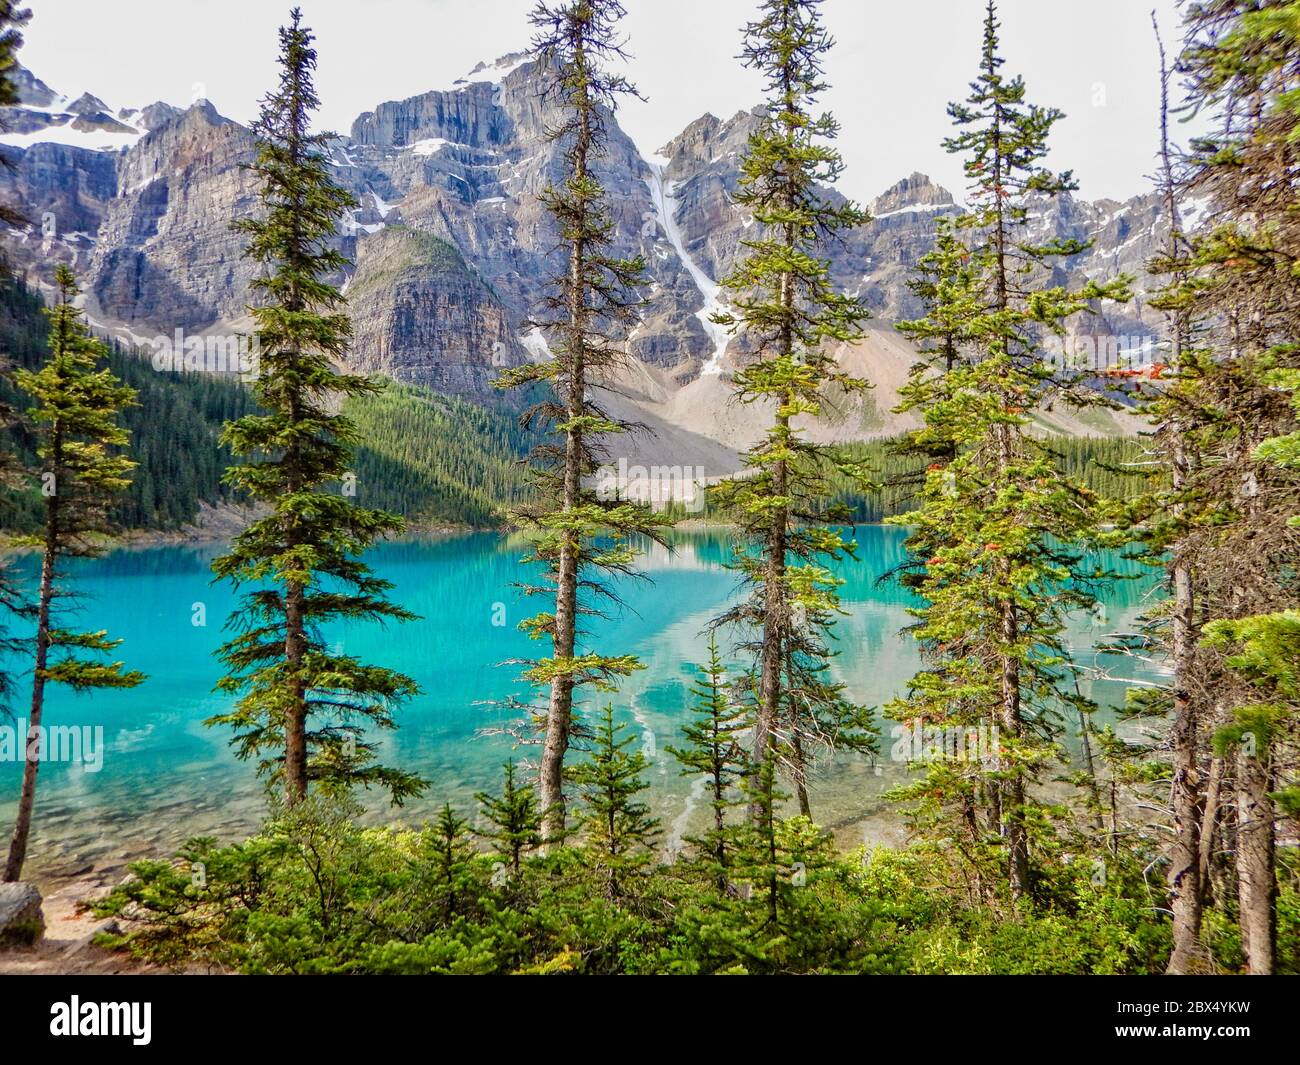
[(166, 254), (450, 242), (421, 315)]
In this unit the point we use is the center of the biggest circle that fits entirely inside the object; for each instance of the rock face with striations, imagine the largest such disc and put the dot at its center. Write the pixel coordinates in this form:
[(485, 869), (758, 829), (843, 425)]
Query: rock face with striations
[(167, 256), (422, 316)]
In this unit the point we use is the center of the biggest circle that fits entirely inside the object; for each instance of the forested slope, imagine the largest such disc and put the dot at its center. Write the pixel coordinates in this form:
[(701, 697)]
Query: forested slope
[(427, 457)]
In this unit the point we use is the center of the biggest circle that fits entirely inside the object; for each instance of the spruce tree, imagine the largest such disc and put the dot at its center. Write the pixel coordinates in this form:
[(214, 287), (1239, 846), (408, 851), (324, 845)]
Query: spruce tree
[(13, 18), (448, 855), (1240, 64), (74, 418), (1166, 518), (1000, 527), (514, 817), (618, 827), (302, 707), (713, 751), (784, 301), (578, 535)]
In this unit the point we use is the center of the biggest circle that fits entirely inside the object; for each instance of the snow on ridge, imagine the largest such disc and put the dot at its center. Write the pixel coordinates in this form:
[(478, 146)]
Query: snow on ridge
[(498, 70), (665, 204), (918, 208), (93, 139), (536, 346), (426, 147)]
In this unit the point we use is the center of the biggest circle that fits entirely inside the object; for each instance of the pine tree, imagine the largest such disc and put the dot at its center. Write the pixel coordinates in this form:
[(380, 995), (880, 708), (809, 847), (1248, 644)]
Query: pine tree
[(1167, 516), (448, 856), (1000, 527), (75, 420), (302, 707), (619, 829), (13, 18), (1240, 62), (578, 535), (517, 824), (949, 282), (713, 751), (783, 299)]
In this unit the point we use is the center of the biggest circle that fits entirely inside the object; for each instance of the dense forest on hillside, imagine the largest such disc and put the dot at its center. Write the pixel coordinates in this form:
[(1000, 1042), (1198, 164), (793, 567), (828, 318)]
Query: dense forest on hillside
[(436, 459), (174, 425), (430, 458)]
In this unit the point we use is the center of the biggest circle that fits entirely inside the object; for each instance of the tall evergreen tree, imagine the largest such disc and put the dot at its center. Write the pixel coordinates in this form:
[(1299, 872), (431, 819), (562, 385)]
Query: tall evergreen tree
[(1241, 62), (12, 20), (13, 17), (713, 753), (302, 706), (783, 298), (1167, 519), (999, 525), (618, 827), (579, 535), (75, 419), (514, 817)]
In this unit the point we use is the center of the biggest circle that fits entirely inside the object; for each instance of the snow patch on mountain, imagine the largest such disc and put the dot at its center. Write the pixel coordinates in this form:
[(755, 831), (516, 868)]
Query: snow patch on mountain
[(665, 204)]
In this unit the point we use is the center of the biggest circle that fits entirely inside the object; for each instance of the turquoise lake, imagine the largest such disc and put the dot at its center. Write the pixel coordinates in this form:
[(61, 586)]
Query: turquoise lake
[(165, 776)]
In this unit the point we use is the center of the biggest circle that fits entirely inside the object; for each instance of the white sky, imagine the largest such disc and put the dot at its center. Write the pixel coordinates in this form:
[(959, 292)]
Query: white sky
[(895, 67)]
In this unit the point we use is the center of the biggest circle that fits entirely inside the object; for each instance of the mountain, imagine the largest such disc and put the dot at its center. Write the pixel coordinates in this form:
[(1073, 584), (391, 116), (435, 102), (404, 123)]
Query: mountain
[(451, 246)]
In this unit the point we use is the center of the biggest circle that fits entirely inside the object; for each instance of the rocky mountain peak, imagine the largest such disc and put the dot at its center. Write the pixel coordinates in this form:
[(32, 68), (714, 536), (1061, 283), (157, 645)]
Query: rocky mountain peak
[(499, 68), (915, 190), (32, 92), (86, 104)]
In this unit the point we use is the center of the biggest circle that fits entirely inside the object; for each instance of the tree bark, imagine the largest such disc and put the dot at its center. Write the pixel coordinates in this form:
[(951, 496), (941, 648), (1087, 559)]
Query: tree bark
[(559, 711), (1209, 829), (1256, 882), (32, 751), (295, 725), (1184, 870)]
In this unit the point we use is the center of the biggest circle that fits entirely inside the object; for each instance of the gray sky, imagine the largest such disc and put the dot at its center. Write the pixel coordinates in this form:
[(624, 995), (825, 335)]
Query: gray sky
[(895, 67)]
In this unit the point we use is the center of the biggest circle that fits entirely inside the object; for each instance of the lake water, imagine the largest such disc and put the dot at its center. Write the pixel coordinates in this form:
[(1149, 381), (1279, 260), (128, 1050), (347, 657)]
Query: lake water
[(164, 776)]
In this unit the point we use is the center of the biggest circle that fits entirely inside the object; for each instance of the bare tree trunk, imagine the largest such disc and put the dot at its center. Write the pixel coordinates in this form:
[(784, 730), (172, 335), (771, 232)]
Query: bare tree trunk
[(776, 608), (1184, 871), (1256, 882), (774, 622), (1090, 766), (1017, 836), (559, 711), (800, 767), (32, 750), (1209, 829), (295, 725)]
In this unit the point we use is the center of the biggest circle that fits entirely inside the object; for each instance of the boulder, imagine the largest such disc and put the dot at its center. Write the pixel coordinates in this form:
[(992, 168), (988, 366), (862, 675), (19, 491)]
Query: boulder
[(21, 919)]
